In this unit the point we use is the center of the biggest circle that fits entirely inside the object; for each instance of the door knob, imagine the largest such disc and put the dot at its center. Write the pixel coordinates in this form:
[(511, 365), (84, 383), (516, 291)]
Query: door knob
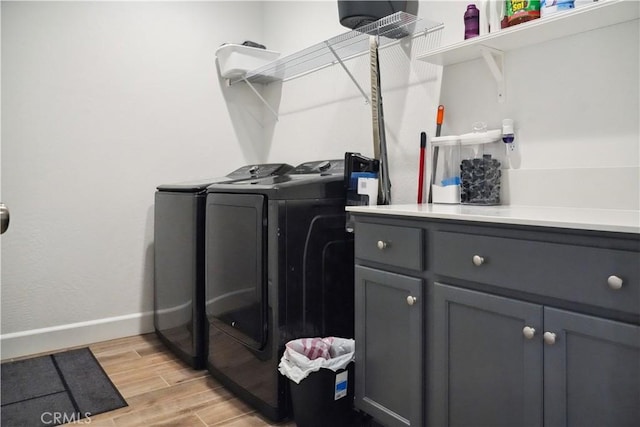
[(549, 338), (382, 244), (4, 218), (528, 332), (614, 282), (411, 300), (477, 260)]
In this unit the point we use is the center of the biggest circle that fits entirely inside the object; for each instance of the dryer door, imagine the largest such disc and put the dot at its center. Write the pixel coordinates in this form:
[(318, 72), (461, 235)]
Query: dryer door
[(236, 266)]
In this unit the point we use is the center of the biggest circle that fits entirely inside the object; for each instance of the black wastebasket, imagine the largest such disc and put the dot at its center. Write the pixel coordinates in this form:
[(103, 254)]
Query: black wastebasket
[(324, 398)]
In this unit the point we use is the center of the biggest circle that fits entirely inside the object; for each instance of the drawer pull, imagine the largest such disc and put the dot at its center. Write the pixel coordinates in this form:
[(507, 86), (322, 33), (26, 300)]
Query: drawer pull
[(382, 245), (411, 300), (477, 260), (528, 332), (549, 338), (614, 282)]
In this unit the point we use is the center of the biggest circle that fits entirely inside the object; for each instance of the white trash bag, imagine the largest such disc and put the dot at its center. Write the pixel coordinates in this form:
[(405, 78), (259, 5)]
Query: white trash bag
[(306, 355)]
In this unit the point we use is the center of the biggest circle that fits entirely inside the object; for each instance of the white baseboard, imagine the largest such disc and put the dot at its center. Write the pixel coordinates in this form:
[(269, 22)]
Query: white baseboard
[(18, 344)]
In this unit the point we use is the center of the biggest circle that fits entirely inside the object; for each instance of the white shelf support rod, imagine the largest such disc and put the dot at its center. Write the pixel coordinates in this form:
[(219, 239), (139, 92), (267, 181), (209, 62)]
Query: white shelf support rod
[(264, 101), (495, 61), (346, 70)]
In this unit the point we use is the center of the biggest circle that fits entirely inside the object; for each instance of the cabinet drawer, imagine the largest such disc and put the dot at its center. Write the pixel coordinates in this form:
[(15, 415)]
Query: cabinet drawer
[(575, 273), (388, 244)]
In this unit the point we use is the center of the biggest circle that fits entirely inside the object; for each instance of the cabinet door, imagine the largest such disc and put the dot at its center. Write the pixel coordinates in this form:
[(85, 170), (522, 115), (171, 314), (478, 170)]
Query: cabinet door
[(485, 370), (388, 332), (591, 371)]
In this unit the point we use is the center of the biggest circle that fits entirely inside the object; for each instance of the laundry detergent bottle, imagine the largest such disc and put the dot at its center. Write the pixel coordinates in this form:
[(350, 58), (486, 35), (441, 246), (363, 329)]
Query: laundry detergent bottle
[(471, 22)]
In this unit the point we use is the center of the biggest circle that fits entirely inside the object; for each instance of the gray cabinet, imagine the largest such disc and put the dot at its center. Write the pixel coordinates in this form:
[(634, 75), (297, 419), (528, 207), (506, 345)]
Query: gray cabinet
[(517, 325), (484, 371), (389, 319), (504, 362), (571, 272), (591, 371), (389, 337)]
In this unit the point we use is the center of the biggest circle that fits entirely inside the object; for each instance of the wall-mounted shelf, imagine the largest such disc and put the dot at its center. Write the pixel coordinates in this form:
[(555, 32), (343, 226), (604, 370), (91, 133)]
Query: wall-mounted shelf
[(337, 50), (561, 24), (340, 48)]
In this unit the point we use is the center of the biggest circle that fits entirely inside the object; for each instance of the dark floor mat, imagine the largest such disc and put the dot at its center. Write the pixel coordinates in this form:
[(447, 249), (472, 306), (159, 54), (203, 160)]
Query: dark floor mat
[(52, 410), (30, 378), (56, 389)]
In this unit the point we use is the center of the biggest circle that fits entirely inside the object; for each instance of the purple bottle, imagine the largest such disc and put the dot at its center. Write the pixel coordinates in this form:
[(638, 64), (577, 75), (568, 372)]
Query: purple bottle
[(471, 22)]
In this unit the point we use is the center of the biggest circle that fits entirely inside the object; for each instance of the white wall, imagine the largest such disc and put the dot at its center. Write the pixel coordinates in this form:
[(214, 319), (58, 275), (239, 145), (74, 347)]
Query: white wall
[(103, 101), (323, 114), (575, 103)]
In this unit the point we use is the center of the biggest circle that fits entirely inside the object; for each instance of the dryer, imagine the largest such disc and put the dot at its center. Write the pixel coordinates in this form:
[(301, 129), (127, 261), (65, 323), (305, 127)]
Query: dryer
[(179, 222), (279, 266)]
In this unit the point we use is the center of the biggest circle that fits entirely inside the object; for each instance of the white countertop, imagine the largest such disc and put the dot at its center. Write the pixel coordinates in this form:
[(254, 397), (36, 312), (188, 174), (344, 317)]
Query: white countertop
[(620, 221)]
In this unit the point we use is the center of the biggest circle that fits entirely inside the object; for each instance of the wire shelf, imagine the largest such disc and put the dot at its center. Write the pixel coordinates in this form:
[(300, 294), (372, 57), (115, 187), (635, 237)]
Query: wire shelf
[(343, 47)]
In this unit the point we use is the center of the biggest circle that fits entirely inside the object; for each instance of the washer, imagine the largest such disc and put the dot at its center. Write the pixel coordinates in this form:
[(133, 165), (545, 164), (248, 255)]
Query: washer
[(279, 266), (179, 222)]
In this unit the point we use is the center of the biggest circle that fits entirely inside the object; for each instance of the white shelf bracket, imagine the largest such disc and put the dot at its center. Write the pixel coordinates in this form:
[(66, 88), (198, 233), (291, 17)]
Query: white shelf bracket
[(495, 61), (264, 101), (346, 70)]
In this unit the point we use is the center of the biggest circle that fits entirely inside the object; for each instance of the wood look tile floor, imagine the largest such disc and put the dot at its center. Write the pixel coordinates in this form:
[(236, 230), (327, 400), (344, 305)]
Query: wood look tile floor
[(161, 390)]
